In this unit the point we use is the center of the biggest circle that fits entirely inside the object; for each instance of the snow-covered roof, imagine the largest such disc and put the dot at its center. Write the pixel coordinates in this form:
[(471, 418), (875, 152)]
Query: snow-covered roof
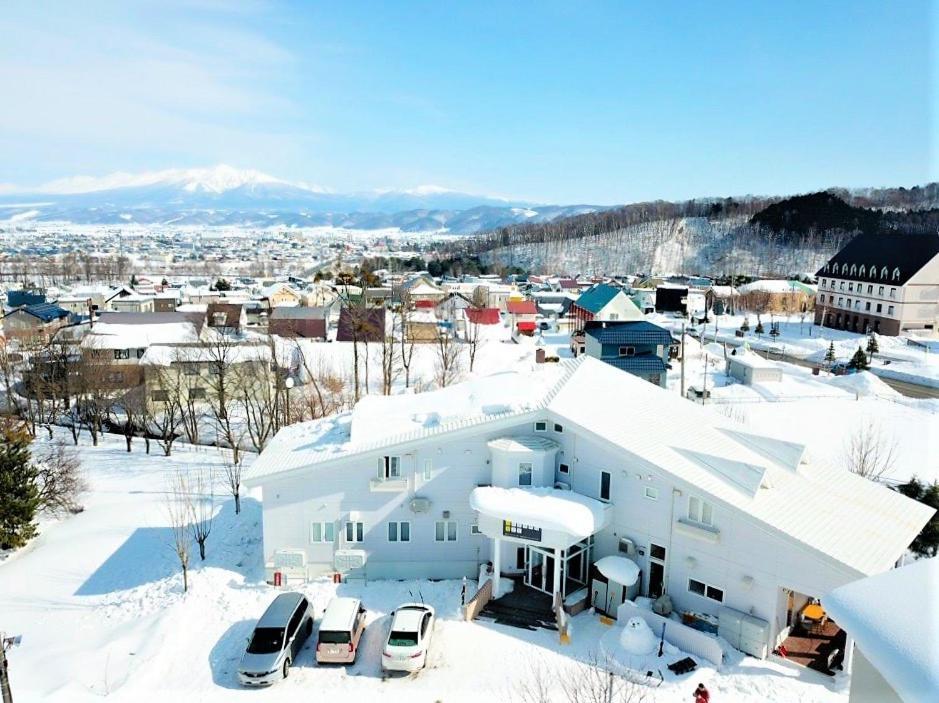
[(752, 360), (619, 569), (166, 355), (549, 508), (894, 619), (772, 286), (105, 335), (849, 520)]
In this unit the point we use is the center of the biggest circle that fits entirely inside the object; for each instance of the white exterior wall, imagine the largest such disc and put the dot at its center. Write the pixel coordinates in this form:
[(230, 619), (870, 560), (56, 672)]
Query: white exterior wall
[(619, 308), (740, 548)]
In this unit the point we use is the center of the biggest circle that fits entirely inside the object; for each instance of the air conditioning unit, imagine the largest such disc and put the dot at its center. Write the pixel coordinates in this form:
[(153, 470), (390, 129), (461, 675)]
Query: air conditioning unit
[(346, 560), (286, 565), (419, 504), (627, 547)]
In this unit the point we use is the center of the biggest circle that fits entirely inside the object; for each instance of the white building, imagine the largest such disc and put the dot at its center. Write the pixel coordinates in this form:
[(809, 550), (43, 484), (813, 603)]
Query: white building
[(545, 473), (894, 620)]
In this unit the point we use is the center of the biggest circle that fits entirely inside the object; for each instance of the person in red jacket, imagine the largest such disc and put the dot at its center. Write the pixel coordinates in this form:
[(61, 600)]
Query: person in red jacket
[(701, 694)]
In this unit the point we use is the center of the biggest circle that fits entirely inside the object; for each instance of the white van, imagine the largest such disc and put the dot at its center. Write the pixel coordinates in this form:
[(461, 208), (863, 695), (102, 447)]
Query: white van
[(340, 631)]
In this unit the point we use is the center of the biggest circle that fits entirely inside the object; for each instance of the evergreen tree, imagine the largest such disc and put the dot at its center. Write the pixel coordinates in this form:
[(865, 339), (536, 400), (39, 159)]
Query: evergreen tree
[(164, 282), (859, 360), (872, 347), (759, 325), (19, 490), (830, 354), (222, 284), (926, 543)]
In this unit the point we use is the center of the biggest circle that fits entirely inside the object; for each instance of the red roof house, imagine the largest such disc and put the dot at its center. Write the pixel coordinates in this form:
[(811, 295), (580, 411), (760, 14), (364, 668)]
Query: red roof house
[(521, 307), (483, 316)]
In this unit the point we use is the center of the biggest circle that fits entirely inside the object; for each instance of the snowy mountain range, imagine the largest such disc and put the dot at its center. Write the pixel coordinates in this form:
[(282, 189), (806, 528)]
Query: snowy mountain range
[(223, 195)]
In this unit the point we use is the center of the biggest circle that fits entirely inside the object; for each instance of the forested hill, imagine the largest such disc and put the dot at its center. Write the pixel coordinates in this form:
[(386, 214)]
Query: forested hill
[(756, 235)]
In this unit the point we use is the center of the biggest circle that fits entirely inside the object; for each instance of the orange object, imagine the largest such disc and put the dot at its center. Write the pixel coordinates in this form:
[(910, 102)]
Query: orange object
[(814, 611)]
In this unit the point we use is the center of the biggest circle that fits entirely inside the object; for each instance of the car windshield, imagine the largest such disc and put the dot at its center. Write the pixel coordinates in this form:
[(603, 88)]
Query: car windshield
[(334, 637), (266, 640), (402, 639)]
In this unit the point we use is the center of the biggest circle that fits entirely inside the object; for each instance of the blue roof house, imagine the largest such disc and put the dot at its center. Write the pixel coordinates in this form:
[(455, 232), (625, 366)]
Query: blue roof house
[(634, 346)]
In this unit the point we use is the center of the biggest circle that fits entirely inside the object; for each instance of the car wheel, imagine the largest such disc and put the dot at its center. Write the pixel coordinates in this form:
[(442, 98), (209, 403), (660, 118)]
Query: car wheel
[(286, 668)]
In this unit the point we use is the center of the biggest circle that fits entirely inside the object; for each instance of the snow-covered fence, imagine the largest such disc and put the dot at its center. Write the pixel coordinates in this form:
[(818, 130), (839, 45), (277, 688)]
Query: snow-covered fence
[(475, 604), (685, 638)]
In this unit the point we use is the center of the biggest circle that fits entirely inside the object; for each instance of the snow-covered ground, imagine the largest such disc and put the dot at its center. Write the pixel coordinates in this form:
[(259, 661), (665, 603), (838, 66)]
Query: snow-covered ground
[(98, 600)]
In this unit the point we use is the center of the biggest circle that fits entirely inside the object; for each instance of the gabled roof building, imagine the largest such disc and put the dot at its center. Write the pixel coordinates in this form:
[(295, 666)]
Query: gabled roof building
[(544, 473)]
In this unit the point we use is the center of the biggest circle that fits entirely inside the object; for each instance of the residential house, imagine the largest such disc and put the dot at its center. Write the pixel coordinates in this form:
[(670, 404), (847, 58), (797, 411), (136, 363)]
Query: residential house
[(133, 302), (669, 298), (638, 347), (305, 322), (603, 302), (722, 300), (421, 288), (280, 294), (543, 473), (522, 316), (886, 283), (423, 326), (357, 323), (166, 300), (750, 368), (481, 316), (226, 316), (79, 306), (27, 296), (34, 323), (894, 621), (777, 295)]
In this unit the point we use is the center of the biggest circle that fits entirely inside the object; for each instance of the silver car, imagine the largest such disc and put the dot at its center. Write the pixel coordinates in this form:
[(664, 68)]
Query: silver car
[(412, 625), (276, 640)]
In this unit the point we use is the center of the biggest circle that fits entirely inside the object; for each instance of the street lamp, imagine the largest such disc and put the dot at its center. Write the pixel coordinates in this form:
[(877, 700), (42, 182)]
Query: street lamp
[(288, 384)]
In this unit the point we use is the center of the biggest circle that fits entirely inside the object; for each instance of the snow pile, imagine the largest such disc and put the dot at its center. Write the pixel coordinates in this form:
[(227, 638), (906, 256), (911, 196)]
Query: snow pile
[(619, 569), (864, 384), (548, 508)]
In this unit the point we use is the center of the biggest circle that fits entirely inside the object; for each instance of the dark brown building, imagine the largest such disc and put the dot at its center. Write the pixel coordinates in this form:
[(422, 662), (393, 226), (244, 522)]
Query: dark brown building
[(305, 322)]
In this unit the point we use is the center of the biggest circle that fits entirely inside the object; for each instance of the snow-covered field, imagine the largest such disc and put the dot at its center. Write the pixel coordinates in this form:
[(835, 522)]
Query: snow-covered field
[(99, 602)]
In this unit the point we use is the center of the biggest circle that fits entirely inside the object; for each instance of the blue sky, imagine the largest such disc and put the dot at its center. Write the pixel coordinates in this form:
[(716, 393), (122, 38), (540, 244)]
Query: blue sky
[(596, 102)]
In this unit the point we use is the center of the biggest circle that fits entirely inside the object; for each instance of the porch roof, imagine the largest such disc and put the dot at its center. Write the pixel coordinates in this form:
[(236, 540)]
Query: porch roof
[(548, 508)]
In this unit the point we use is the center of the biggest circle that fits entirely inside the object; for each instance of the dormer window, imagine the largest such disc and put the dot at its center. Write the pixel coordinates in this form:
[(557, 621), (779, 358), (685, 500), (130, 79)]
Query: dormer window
[(883, 272), (896, 274), (861, 271), (853, 269)]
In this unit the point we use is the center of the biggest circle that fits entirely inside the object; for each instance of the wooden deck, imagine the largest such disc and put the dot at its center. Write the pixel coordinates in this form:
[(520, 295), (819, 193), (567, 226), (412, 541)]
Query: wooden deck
[(811, 649)]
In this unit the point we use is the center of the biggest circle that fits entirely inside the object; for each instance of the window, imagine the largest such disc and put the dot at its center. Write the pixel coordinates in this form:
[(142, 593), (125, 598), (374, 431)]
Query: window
[(474, 530), (841, 287), (651, 492), (627, 351), (850, 287), (893, 292), (399, 531), (541, 426), (890, 310), (867, 306), (857, 304), (140, 353), (860, 273), (520, 558), (160, 396), (880, 307), (883, 272), (880, 290), (190, 369), (657, 551), (896, 274), (700, 511), (823, 283), (823, 297), (564, 468), (196, 393), (849, 303), (840, 300), (524, 473), (355, 532), (428, 472), (322, 532), (391, 466), (870, 290), (445, 531), (122, 353), (702, 589), (605, 485), (558, 428)]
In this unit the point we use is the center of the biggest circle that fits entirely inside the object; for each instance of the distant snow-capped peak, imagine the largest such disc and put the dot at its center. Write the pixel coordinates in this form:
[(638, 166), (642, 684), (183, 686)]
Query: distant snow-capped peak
[(217, 179)]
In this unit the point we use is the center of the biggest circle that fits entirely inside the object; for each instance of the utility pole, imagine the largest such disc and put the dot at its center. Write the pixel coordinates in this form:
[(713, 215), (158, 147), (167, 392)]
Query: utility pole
[(704, 355), (682, 359)]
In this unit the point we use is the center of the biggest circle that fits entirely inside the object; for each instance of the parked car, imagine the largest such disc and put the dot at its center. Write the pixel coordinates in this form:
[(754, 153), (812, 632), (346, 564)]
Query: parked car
[(277, 638), (340, 631), (843, 368), (412, 625)]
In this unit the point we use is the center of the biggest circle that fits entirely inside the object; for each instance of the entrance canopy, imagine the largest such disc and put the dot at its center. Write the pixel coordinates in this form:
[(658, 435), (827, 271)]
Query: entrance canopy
[(551, 516)]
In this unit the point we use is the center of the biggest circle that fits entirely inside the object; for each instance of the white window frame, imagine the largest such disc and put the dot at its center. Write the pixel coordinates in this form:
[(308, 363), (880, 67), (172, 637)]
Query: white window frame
[(428, 471), (530, 473), (650, 492), (700, 511), (357, 531), (474, 529), (706, 590), (324, 526), (627, 350), (541, 426), (559, 428), (398, 534), (610, 483), (564, 468), (890, 310), (391, 467), (446, 531)]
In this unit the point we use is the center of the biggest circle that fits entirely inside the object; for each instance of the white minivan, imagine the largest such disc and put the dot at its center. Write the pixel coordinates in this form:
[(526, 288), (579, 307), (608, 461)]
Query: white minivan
[(340, 631)]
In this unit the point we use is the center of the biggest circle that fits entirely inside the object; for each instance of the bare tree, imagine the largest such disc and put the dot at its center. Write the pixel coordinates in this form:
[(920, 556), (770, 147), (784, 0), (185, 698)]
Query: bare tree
[(178, 511), (447, 362), (406, 353), (258, 402), (201, 508), (389, 362), (870, 452), (472, 337), (165, 407), (233, 473), (59, 478), (592, 681)]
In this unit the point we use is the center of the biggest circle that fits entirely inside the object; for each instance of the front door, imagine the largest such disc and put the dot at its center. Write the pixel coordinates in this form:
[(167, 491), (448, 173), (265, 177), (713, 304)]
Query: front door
[(539, 573), (656, 578), (598, 595)]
